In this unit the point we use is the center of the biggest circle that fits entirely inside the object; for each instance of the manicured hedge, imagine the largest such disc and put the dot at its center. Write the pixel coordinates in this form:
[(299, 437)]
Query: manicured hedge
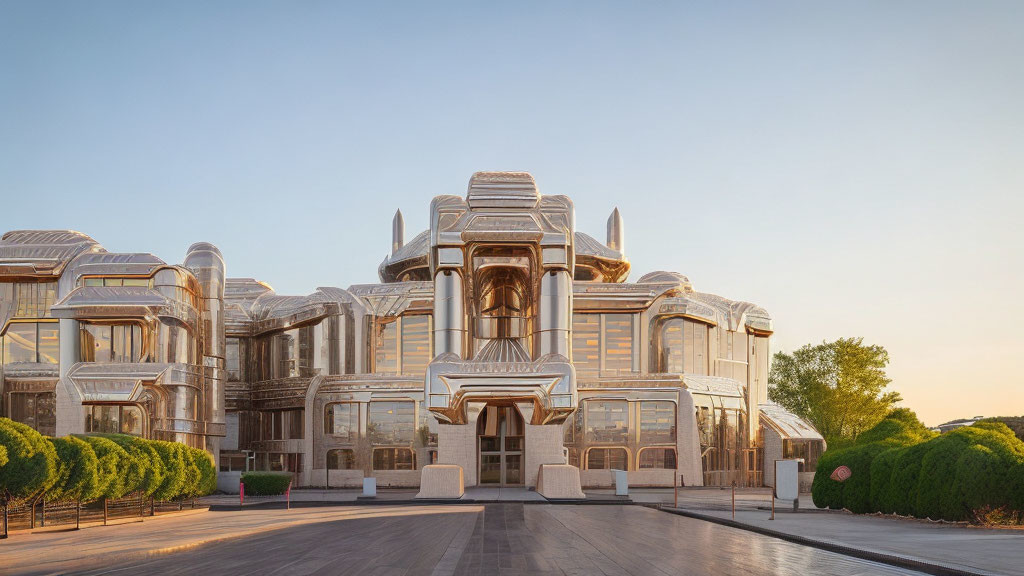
[(32, 461), (900, 467), (266, 483), (96, 466), (77, 471)]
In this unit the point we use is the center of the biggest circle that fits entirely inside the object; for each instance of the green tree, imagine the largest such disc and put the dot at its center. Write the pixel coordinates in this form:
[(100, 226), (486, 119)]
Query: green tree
[(839, 386)]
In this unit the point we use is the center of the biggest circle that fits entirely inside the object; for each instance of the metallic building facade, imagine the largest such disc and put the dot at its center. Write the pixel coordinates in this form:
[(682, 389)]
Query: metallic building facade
[(500, 339)]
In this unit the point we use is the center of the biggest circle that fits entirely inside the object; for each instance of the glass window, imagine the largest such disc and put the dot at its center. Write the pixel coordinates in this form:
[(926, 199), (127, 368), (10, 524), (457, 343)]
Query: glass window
[(618, 343), (808, 450), (341, 459), (232, 363), (105, 419), (391, 422), (341, 420), (416, 344), (394, 459), (291, 353), (49, 343), (387, 348), (296, 420), (277, 422), (657, 422), (20, 342), (33, 299), (131, 420), (232, 462), (672, 346), (607, 459), (658, 458), (119, 281), (586, 334), (607, 421), (35, 409), (111, 343)]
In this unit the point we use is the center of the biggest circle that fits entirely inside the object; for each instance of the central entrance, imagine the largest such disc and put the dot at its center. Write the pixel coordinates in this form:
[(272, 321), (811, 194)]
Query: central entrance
[(500, 431)]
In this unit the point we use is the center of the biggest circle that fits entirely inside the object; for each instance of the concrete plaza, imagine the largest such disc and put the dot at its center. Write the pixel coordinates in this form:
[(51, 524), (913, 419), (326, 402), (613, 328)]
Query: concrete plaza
[(500, 538)]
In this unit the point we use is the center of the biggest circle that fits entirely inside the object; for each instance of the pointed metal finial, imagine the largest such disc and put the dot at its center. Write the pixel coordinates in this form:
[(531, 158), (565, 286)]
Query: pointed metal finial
[(397, 232), (616, 233)]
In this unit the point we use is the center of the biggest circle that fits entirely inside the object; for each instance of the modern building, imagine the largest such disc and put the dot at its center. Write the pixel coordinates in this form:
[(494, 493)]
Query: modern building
[(500, 339)]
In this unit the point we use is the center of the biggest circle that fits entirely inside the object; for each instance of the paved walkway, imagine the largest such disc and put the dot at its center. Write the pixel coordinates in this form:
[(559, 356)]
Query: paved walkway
[(961, 547), (500, 539)]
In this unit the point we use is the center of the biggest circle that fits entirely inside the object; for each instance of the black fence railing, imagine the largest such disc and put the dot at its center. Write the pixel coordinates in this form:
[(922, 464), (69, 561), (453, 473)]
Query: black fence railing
[(38, 513)]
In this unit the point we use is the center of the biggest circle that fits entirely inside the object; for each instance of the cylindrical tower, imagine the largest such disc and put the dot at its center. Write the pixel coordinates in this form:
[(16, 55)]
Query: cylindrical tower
[(449, 313), (207, 263)]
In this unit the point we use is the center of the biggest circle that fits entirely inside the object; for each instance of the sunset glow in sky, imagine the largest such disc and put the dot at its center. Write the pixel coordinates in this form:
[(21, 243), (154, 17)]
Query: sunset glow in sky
[(856, 170)]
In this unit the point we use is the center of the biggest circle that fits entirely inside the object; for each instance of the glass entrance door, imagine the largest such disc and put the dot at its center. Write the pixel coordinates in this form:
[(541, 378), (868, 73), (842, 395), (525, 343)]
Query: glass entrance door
[(501, 446)]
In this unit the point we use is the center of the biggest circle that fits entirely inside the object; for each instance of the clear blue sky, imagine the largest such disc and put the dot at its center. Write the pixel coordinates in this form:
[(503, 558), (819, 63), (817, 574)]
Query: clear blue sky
[(855, 168)]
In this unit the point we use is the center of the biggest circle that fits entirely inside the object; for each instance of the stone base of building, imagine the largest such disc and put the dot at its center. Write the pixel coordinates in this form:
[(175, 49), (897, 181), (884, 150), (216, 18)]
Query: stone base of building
[(441, 481), (559, 482)]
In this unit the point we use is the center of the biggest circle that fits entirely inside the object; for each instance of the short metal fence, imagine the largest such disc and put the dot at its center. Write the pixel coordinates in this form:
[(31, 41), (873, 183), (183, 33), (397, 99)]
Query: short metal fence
[(728, 499), (38, 513)]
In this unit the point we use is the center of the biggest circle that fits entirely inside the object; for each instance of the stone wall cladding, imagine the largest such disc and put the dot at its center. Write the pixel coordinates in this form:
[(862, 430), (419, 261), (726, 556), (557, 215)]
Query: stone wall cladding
[(543, 446), (457, 445)]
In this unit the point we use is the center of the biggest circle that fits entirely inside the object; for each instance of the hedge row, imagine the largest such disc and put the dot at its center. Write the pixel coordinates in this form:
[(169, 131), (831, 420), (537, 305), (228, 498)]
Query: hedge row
[(900, 467), (266, 483), (98, 466)]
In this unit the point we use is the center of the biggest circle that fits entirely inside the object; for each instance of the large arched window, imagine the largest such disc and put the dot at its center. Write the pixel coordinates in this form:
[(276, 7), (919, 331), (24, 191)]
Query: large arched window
[(682, 346)]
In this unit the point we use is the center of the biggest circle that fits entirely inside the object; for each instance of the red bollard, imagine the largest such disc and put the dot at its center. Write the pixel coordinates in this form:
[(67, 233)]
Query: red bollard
[(241, 494), (288, 497)]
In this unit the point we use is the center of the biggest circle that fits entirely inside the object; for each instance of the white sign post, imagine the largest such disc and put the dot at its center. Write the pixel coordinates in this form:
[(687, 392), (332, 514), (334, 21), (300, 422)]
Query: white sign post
[(787, 481)]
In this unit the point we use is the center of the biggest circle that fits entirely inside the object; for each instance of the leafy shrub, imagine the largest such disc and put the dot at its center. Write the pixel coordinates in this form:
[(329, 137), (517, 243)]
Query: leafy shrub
[(120, 472), (172, 455), (899, 467), (882, 468), (145, 454), (31, 467), (266, 483), (207, 472), (99, 466), (77, 473)]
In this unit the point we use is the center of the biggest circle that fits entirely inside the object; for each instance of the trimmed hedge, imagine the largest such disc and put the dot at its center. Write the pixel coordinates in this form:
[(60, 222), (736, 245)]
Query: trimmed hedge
[(900, 467), (77, 471), (32, 462), (111, 466), (266, 483)]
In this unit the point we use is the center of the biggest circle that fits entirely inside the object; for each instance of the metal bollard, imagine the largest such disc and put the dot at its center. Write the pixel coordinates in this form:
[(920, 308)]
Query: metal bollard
[(734, 500), (104, 511), (773, 504), (241, 494), (288, 497)]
